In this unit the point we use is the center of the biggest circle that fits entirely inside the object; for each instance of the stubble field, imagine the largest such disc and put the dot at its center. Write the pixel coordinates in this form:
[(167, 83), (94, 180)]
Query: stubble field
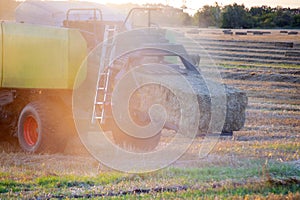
[(261, 161)]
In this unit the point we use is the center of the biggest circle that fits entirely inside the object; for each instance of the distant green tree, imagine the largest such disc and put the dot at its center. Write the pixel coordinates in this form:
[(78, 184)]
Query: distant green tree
[(267, 20), (256, 13), (208, 16), (186, 19), (262, 17), (236, 16), (283, 18), (296, 21), (267, 9)]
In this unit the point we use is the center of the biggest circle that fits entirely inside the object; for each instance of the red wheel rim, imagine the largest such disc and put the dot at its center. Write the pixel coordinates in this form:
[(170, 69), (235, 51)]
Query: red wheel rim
[(30, 131)]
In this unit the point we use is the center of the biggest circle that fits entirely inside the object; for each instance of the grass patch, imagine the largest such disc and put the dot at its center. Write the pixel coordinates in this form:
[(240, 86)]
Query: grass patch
[(281, 171), (77, 181), (213, 173), (13, 186), (255, 177)]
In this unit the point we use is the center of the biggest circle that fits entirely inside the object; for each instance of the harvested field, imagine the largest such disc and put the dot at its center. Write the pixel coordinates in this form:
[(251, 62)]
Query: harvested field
[(260, 161), (273, 49)]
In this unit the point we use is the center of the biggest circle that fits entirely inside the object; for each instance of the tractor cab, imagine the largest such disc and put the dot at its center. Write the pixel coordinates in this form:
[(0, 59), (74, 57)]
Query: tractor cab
[(91, 19), (93, 29)]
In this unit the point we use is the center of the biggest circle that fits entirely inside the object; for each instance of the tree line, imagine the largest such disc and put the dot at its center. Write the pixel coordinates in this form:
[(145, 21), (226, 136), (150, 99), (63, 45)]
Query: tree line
[(238, 16)]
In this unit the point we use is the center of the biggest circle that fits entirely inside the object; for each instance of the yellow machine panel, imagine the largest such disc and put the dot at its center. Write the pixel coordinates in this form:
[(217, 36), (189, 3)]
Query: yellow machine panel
[(40, 56)]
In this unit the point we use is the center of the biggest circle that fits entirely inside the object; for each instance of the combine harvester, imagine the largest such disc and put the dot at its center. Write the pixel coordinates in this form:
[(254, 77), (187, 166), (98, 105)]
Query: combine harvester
[(50, 42)]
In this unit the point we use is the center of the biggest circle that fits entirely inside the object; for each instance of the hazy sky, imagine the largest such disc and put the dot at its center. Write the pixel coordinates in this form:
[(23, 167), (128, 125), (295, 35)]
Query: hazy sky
[(193, 5)]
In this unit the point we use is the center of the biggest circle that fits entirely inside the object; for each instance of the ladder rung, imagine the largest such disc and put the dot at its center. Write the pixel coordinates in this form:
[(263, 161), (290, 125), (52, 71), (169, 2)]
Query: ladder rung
[(99, 117), (101, 88), (102, 103)]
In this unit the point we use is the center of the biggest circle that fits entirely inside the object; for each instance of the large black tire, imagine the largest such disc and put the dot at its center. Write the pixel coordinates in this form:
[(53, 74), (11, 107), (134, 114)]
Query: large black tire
[(129, 142), (38, 128)]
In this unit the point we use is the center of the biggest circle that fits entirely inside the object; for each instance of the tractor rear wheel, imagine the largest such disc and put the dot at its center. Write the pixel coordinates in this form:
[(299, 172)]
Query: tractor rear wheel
[(128, 142), (38, 128)]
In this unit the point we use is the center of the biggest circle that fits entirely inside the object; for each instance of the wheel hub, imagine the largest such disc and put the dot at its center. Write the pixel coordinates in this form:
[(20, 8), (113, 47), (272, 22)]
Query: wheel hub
[(30, 131)]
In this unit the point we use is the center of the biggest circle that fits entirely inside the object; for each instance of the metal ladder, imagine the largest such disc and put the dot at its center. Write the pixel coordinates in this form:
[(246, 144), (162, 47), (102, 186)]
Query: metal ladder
[(102, 86)]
